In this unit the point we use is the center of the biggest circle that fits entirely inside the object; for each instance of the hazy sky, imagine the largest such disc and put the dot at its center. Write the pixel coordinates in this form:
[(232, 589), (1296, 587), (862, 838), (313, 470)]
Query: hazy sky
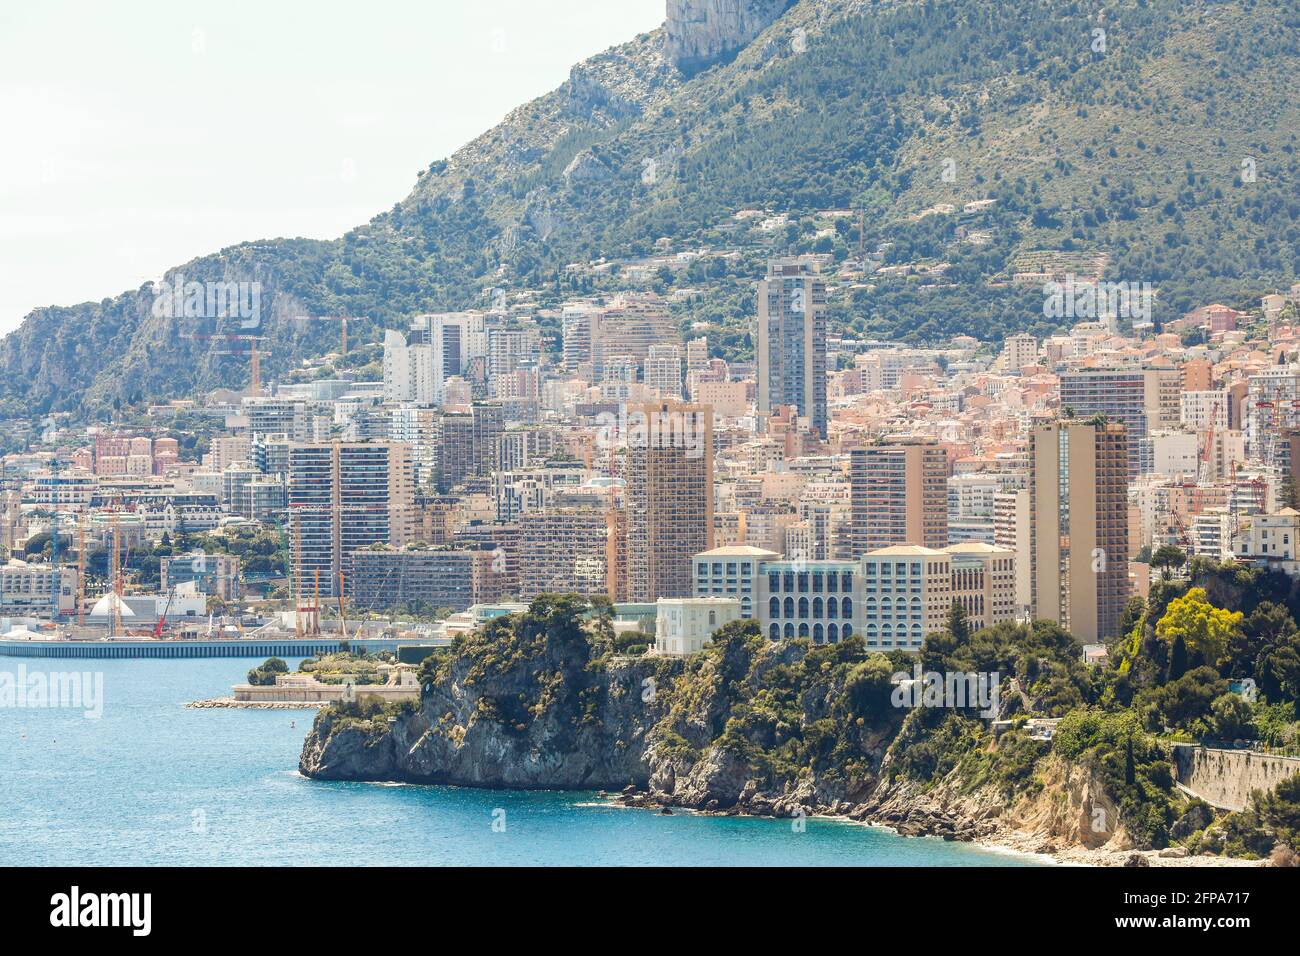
[(139, 135)]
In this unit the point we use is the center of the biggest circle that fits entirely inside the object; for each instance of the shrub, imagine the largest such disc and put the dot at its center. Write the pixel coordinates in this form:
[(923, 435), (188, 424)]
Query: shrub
[(264, 676)]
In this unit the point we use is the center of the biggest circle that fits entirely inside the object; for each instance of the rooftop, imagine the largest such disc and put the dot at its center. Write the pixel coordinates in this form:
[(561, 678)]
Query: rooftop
[(738, 551), (904, 551), (976, 547)]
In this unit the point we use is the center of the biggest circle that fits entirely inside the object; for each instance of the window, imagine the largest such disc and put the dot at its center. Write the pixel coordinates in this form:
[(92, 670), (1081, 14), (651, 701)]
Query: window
[(846, 609), (789, 607), (774, 632), (817, 607), (803, 607)]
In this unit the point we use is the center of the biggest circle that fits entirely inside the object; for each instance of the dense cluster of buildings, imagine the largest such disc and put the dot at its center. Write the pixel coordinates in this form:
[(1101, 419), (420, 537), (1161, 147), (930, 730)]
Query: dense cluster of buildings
[(830, 487)]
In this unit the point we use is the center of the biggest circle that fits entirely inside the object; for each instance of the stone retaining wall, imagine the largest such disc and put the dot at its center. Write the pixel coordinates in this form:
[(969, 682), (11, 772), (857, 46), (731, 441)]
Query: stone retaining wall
[(1225, 778)]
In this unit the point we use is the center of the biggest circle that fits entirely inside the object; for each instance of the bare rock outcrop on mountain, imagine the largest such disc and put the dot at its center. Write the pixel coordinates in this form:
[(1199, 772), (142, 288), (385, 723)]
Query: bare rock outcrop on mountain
[(703, 32)]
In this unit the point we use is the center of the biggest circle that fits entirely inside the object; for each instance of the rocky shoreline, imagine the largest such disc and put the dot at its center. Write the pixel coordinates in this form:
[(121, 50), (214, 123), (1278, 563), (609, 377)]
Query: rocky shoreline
[(1052, 823), (985, 833)]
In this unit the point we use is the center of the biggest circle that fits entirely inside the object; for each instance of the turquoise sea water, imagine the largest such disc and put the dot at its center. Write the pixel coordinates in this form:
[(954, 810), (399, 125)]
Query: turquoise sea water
[(151, 782)]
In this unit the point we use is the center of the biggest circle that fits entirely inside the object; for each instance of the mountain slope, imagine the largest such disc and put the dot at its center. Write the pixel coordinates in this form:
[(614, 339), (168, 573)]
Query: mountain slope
[(1135, 147)]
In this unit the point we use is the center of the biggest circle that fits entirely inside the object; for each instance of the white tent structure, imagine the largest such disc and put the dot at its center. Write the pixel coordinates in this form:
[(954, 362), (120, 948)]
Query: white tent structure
[(110, 602), (21, 633)]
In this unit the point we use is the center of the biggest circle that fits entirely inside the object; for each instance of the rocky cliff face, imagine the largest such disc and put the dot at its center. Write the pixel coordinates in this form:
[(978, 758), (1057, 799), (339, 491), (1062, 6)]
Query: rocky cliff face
[(535, 704), (700, 33), (466, 734), (525, 703)]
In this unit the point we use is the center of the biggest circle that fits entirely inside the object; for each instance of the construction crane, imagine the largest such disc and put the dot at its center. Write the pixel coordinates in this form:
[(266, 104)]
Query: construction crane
[(254, 358), (254, 354), (254, 369), (1207, 455), (162, 618), (56, 579), (1259, 487), (1182, 538), (343, 321), (81, 572), (115, 578)]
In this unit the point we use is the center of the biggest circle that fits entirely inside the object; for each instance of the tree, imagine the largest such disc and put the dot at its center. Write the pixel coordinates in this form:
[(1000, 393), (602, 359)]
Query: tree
[(957, 625), (1177, 659), (1280, 810), (1168, 558), (1270, 623), (1230, 718), (1277, 671), (1133, 612), (1184, 704), (265, 675), (1204, 628)]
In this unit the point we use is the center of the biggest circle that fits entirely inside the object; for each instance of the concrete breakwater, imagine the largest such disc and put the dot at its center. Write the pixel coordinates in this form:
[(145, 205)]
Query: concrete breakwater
[(1225, 778), (219, 703)]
